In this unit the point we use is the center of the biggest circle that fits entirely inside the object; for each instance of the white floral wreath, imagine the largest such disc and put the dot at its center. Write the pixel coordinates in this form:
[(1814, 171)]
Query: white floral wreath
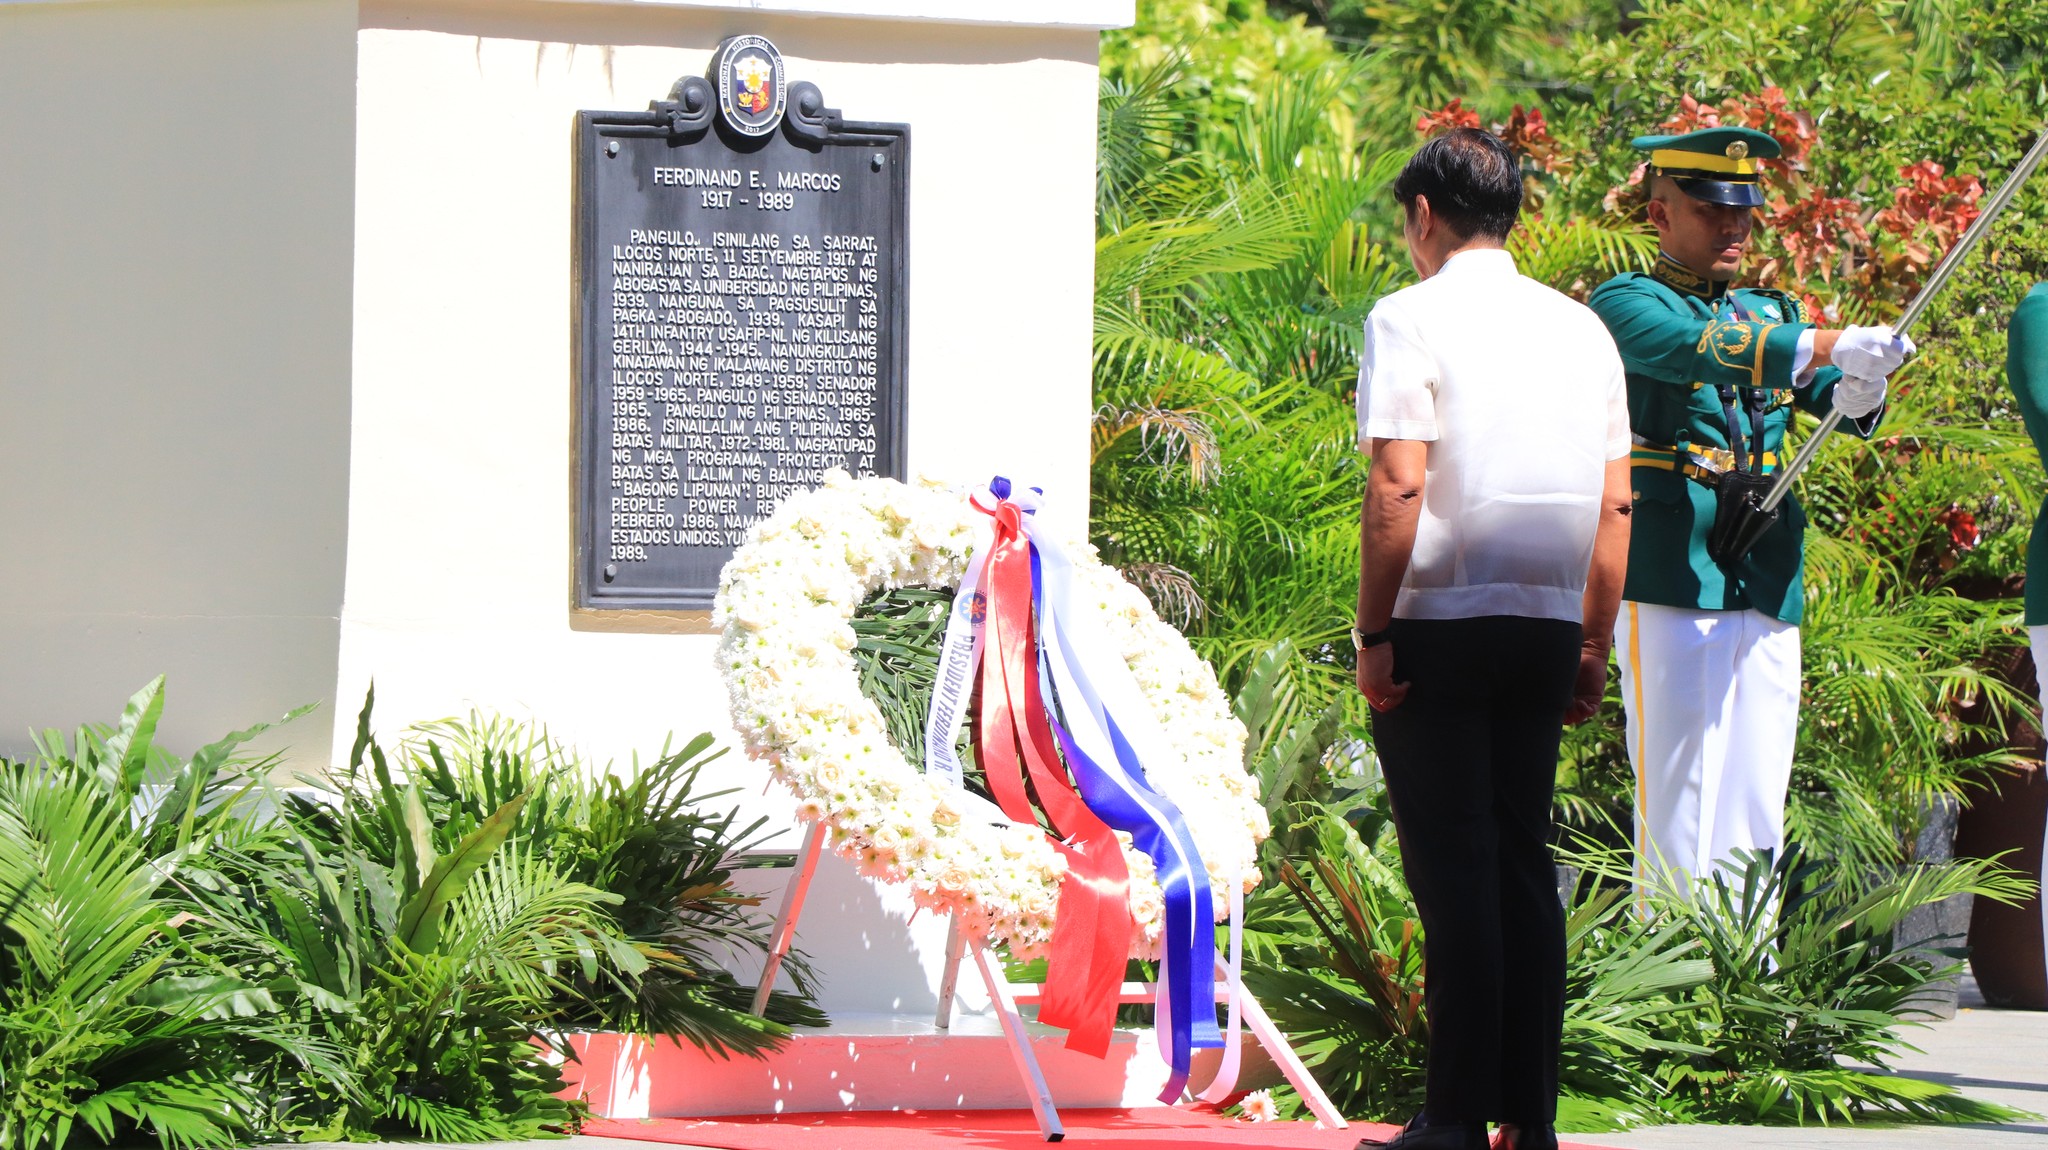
[(784, 605)]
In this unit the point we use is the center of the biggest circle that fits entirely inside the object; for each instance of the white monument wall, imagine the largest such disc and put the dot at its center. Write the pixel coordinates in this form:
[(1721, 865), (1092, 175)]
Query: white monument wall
[(459, 581), (176, 194)]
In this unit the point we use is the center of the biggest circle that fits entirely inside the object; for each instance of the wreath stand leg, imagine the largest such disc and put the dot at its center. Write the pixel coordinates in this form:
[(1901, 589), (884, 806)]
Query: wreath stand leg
[(1255, 1018), (1007, 996), (957, 943), (1000, 993), (792, 906), (1291, 1066), (949, 978)]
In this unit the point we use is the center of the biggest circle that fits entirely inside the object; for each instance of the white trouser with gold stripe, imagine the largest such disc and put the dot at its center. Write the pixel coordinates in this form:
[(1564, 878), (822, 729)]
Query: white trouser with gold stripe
[(1713, 710)]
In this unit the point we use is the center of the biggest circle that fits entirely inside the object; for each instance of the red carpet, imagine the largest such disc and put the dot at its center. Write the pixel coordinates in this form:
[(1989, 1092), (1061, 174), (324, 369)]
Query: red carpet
[(1007, 1129)]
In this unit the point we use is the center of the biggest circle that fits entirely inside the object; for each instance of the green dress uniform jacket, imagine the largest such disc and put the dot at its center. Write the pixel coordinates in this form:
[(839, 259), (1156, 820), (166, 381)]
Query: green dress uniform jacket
[(2026, 369), (1682, 338)]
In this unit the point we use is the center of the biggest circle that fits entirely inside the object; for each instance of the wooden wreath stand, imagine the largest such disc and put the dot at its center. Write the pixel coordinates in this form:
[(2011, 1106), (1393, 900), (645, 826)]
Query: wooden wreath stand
[(1007, 996)]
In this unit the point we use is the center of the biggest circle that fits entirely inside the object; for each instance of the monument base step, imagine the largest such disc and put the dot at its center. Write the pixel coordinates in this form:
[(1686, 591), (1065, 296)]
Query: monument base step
[(1157, 1127), (860, 1063)]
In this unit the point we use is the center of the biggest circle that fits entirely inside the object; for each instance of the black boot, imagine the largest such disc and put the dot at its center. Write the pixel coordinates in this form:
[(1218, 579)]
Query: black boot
[(1418, 1135), (1532, 1136)]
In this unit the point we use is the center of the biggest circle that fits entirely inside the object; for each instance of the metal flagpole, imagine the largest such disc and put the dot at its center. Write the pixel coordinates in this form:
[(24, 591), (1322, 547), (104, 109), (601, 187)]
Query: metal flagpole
[(1935, 282)]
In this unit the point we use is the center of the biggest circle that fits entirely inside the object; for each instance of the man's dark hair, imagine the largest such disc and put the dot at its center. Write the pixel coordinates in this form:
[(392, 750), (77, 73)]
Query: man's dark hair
[(1472, 180)]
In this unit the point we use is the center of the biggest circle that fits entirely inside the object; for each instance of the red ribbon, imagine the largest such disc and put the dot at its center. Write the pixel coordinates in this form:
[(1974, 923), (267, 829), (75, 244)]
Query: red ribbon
[(1091, 936)]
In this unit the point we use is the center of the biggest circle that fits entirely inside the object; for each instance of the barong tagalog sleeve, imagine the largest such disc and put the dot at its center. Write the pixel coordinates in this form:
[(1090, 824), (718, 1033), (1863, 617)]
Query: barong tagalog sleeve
[(1397, 380)]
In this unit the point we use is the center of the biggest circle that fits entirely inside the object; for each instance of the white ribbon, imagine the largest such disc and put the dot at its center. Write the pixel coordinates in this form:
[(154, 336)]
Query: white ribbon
[(1092, 683), (959, 656), (1225, 1085)]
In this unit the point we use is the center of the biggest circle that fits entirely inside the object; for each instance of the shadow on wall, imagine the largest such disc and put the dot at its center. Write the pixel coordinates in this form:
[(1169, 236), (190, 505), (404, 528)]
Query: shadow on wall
[(860, 936)]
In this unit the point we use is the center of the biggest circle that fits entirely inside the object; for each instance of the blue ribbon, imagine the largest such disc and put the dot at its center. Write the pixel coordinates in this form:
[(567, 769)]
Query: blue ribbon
[(1122, 796)]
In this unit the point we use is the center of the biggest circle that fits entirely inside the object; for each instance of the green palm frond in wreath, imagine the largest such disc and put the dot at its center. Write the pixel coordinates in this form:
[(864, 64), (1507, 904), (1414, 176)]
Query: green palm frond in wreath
[(898, 635)]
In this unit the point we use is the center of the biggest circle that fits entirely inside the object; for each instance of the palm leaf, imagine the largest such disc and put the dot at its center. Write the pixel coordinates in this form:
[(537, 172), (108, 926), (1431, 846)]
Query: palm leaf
[(419, 920), (128, 750)]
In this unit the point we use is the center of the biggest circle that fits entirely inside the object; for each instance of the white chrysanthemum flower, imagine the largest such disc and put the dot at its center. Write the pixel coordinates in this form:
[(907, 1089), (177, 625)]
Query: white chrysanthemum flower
[(1258, 1106)]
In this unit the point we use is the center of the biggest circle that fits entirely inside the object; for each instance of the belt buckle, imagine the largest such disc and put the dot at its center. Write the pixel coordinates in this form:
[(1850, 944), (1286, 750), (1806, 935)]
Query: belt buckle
[(1706, 462), (1704, 468)]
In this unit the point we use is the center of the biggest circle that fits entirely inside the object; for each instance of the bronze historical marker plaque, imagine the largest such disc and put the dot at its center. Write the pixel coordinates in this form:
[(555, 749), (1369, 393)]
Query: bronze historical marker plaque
[(739, 319)]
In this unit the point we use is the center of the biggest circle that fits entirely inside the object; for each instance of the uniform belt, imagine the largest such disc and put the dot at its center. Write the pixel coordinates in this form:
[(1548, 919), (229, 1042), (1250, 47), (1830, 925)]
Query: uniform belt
[(1706, 464)]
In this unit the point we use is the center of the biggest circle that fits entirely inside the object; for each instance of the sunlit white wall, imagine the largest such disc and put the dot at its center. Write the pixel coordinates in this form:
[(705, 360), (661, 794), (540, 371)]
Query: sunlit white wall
[(459, 569), (176, 207)]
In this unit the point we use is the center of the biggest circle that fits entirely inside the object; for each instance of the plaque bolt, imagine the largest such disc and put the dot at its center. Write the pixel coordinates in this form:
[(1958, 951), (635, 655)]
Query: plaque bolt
[(611, 572), (878, 161), (611, 148)]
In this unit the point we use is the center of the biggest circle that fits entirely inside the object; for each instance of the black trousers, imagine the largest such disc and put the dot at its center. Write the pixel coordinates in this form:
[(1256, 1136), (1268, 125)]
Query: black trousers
[(1470, 758)]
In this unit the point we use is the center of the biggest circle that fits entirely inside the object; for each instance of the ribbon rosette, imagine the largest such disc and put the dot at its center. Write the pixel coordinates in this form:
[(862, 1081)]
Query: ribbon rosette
[(1063, 721)]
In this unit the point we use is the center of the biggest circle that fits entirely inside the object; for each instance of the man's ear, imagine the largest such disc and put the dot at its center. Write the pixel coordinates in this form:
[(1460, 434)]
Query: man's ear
[(1659, 214), (1425, 219)]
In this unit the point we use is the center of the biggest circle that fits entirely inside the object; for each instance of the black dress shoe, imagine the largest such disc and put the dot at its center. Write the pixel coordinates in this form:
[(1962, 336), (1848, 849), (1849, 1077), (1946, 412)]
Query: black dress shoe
[(1511, 1136), (1435, 1136)]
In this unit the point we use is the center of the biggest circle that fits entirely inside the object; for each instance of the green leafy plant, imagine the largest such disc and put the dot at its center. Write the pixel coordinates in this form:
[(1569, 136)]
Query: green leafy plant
[(187, 953), (1334, 952), (652, 843), (437, 951), (897, 636), (650, 837), (1626, 980), (1289, 750), (1806, 981), (116, 1017), (465, 901)]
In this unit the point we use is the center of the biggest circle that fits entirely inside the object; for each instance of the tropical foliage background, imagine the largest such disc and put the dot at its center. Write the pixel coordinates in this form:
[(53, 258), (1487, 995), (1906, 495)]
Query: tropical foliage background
[(1245, 228)]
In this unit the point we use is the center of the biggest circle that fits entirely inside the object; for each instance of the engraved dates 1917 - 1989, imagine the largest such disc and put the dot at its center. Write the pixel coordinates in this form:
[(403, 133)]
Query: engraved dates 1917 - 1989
[(740, 315)]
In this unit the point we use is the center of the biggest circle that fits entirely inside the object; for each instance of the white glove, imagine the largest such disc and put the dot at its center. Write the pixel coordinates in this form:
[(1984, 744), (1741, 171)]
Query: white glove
[(1871, 353), (1856, 397)]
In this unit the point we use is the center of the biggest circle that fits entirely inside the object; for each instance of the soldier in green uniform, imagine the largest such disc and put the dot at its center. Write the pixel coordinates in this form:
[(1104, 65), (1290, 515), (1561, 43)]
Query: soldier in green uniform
[(1709, 647), (2026, 369)]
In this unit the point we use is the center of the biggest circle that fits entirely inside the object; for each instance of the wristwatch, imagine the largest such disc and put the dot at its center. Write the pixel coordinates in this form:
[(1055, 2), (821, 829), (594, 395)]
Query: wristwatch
[(1360, 640)]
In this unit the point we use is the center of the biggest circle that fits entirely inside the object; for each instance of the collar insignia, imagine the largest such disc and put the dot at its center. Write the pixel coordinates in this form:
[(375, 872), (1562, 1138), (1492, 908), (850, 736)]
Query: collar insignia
[(1676, 275)]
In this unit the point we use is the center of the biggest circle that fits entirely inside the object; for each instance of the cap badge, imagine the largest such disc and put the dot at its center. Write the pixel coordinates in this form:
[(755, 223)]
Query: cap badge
[(1738, 150)]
